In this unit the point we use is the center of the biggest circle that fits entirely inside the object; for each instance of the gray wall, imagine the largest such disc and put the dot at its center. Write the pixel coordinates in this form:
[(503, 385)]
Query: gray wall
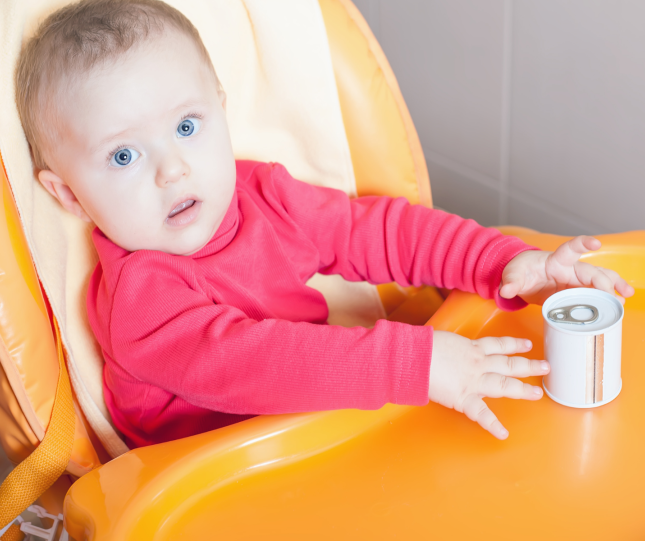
[(530, 112)]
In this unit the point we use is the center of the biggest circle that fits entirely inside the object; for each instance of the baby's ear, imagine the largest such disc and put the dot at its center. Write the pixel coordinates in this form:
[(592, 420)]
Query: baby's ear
[(62, 192), (222, 97)]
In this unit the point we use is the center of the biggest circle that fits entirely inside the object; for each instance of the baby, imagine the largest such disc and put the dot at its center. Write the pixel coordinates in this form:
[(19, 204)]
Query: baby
[(199, 299)]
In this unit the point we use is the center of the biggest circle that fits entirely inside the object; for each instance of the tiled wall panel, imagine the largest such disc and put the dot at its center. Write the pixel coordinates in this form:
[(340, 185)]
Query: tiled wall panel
[(578, 109), (447, 56), (529, 112)]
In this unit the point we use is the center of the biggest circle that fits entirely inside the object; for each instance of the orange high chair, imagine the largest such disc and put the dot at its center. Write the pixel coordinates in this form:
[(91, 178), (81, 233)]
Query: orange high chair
[(400, 472)]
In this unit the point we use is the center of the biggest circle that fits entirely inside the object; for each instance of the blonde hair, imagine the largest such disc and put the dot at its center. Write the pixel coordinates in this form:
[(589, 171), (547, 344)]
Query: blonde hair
[(74, 40)]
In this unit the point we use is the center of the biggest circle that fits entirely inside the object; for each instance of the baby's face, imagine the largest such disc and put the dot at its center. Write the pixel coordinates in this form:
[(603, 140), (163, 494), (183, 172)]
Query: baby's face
[(144, 149)]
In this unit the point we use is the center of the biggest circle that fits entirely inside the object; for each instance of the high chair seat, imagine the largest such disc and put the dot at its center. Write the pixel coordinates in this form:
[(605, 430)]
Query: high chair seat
[(325, 133), (338, 135)]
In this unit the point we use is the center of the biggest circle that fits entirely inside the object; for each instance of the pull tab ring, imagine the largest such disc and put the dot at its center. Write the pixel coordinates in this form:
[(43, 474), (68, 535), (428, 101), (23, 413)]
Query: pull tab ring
[(563, 314)]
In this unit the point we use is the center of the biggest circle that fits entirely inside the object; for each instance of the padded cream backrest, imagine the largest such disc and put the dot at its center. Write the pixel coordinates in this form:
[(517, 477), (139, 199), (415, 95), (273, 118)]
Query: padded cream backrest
[(274, 62)]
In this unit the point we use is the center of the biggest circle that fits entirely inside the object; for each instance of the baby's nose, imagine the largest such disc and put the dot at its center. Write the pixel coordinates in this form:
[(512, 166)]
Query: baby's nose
[(171, 169)]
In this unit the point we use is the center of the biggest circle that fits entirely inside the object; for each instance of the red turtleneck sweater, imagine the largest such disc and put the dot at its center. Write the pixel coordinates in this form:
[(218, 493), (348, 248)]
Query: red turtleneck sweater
[(193, 343)]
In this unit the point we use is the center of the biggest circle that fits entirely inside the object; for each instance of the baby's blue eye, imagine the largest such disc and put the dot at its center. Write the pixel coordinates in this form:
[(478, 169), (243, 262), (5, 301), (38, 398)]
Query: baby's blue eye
[(124, 156), (189, 126)]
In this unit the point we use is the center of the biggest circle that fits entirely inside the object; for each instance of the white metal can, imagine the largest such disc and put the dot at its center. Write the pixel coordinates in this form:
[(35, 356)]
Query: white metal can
[(582, 342)]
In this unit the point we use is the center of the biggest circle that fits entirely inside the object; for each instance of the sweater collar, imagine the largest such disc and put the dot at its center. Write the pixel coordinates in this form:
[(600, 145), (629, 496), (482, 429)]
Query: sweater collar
[(225, 232)]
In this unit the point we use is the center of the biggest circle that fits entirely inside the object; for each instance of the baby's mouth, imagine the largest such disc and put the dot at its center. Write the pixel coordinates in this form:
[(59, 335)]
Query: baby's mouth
[(184, 213), (181, 207)]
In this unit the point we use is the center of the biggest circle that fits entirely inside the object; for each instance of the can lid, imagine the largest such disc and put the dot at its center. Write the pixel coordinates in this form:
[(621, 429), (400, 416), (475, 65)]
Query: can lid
[(582, 310)]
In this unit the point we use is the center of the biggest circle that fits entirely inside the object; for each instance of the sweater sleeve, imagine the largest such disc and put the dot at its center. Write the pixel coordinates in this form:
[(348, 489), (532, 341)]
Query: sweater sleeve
[(381, 240), (167, 332)]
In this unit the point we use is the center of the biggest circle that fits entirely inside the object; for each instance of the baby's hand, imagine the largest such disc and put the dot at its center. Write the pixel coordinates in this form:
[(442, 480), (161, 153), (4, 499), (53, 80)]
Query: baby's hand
[(535, 276), (464, 371)]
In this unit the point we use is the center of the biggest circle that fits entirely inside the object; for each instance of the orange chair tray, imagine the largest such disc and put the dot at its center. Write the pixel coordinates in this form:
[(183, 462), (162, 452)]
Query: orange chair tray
[(400, 472)]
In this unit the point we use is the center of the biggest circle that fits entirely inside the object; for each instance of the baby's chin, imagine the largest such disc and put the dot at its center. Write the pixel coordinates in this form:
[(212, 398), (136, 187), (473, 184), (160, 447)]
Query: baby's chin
[(190, 249), (177, 239)]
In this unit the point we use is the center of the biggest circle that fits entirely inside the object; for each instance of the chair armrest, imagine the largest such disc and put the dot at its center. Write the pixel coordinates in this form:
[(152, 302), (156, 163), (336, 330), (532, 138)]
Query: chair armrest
[(133, 495)]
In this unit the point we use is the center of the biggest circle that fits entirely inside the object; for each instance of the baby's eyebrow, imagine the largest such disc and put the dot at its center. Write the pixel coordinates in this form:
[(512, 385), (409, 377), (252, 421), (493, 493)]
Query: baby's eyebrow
[(108, 139)]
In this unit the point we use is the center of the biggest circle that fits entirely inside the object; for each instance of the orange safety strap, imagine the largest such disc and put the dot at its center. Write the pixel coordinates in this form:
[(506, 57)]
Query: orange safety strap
[(48, 462)]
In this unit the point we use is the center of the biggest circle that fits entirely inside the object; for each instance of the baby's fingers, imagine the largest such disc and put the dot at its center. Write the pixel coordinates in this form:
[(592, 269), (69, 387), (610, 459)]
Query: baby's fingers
[(518, 367), (498, 386), (506, 345), (477, 410), (512, 284), (590, 276), (620, 284), (569, 252)]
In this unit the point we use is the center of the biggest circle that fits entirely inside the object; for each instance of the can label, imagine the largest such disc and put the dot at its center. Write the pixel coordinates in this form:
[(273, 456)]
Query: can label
[(595, 368)]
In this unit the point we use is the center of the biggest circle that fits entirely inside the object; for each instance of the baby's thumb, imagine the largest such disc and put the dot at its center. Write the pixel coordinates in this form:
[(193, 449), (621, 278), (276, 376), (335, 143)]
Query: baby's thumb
[(511, 285)]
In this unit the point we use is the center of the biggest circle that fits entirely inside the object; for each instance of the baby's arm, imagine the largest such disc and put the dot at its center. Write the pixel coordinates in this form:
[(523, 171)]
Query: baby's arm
[(167, 332), (380, 239)]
